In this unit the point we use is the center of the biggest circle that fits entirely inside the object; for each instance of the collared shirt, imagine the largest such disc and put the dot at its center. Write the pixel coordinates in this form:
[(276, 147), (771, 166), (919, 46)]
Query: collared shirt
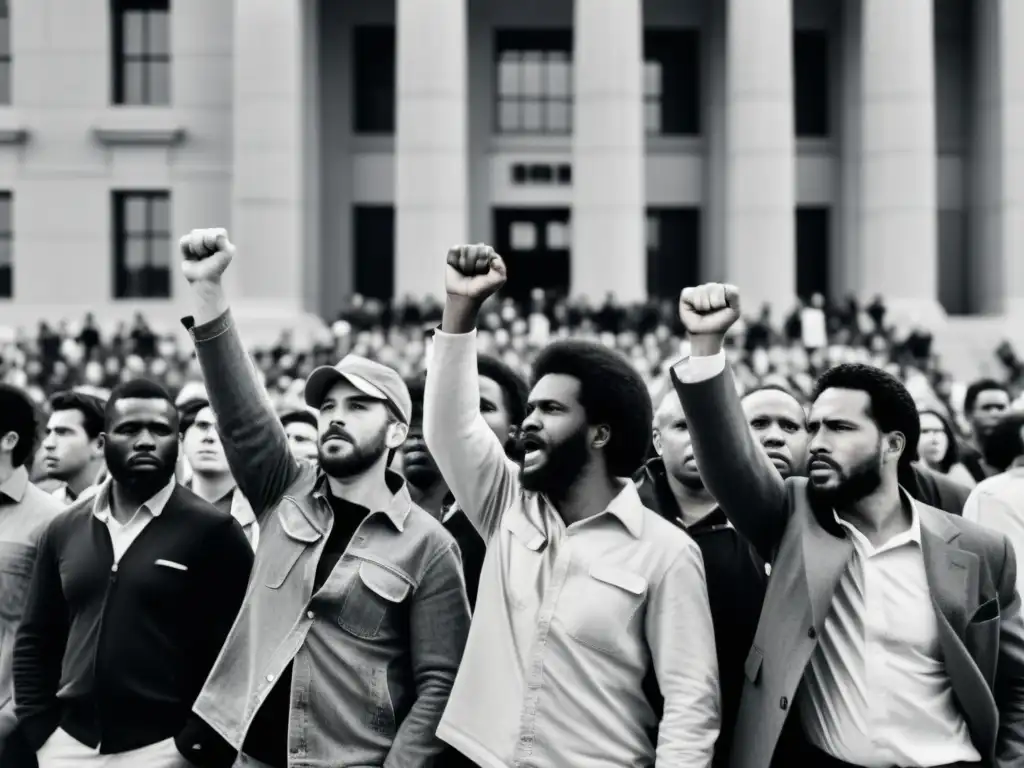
[(876, 691), (575, 625), (123, 534), (235, 504), (998, 503), (65, 496), (25, 511)]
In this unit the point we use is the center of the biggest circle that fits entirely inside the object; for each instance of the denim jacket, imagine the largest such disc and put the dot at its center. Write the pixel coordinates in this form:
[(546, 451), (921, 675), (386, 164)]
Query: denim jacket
[(377, 647)]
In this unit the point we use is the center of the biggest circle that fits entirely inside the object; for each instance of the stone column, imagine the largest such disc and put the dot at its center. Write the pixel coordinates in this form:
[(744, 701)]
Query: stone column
[(431, 141), (997, 159), (898, 204), (760, 173), (608, 214), (268, 195)]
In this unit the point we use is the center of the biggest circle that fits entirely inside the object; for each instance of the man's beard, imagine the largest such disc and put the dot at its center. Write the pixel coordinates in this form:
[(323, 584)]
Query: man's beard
[(145, 481), (562, 466), (856, 483), (357, 460), (422, 476)]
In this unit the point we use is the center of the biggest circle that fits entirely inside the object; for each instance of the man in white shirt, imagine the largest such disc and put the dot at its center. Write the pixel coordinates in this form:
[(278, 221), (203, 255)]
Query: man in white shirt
[(885, 620), (998, 501), (592, 628)]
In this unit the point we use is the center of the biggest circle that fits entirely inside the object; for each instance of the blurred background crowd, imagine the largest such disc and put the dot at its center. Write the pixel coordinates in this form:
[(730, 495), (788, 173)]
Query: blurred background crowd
[(789, 351)]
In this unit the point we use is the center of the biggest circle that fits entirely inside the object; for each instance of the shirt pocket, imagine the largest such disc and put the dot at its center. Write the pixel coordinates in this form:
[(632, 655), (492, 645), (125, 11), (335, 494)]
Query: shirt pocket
[(375, 594), (16, 563), (281, 554), (600, 607)]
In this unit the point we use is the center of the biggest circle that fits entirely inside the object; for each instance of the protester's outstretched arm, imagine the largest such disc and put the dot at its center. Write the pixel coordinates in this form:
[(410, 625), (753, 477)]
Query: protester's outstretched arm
[(254, 440), (471, 459)]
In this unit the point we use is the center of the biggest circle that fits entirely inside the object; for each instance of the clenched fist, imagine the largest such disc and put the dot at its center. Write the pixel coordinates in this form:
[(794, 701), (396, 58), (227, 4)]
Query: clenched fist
[(207, 253), (709, 309), (473, 272)]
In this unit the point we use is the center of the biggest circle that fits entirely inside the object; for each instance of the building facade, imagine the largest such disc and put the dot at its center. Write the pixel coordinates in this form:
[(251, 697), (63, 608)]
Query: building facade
[(604, 146)]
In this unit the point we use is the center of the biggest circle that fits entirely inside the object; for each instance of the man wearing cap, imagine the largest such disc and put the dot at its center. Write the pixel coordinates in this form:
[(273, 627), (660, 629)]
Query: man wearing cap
[(351, 633)]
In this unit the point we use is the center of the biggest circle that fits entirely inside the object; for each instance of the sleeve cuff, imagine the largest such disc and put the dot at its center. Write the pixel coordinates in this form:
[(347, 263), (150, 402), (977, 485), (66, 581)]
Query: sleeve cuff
[(209, 330), (694, 370)]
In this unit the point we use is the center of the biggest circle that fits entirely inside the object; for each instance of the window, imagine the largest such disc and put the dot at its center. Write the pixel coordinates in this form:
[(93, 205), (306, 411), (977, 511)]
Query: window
[(142, 245), (534, 87), (374, 248), (813, 248), (374, 72), (810, 83), (671, 85), (5, 52), (673, 250), (6, 245), (142, 52)]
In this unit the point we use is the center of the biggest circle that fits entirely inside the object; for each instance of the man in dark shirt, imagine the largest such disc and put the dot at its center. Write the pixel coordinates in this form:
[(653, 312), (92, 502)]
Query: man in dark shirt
[(736, 577), (133, 592), (502, 405)]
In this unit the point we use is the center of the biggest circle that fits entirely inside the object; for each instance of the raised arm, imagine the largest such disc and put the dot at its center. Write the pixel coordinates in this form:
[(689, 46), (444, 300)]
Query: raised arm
[(732, 465), (471, 458), (254, 441), (439, 602)]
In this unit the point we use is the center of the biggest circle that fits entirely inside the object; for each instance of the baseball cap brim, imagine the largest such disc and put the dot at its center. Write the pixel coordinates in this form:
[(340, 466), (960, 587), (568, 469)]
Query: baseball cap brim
[(323, 378)]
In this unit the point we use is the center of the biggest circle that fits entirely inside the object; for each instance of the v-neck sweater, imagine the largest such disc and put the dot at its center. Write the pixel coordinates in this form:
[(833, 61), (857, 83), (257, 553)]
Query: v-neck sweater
[(116, 653)]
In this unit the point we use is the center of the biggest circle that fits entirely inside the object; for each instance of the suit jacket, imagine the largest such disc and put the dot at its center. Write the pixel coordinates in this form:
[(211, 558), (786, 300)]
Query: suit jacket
[(971, 573)]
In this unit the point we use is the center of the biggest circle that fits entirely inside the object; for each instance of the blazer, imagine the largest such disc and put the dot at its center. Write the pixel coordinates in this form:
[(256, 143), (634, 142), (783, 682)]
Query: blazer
[(971, 572)]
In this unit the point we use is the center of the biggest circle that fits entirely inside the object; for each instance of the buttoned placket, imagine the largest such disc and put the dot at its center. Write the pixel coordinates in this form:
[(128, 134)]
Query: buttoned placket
[(874, 621), (559, 546)]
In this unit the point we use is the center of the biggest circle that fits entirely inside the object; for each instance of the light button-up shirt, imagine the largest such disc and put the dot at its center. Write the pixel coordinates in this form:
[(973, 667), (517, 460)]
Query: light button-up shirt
[(123, 535), (578, 629)]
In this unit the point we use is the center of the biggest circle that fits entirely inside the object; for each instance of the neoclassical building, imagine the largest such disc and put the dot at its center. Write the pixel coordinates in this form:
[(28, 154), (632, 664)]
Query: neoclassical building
[(625, 146)]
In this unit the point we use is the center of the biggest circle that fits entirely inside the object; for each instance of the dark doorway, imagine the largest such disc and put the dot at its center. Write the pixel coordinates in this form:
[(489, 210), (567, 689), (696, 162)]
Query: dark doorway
[(535, 245), (673, 250), (813, 252), (373, 244)]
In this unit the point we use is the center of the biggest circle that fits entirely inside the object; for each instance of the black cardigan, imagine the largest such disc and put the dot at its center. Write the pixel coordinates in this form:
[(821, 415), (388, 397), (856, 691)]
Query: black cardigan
[(128, 647)]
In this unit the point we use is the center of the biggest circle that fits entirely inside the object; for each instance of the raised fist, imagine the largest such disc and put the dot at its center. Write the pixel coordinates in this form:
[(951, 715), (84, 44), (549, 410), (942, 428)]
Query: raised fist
[(709, 309), (473, 272), (207, 253)]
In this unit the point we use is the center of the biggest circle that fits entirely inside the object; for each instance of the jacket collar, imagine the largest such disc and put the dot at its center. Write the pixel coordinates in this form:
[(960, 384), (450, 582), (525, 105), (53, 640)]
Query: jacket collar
[(653, 486), (397, 511)]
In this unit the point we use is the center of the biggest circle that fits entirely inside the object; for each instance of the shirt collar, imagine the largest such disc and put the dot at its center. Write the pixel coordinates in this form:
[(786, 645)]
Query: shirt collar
[(626, 507), (912, 534), (154, 505), (15, 486), (401, 502)]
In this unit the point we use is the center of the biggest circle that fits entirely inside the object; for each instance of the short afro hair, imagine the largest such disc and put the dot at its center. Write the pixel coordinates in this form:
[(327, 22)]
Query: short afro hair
[(1005, 444), (137, 389), (892, 407), (18, 415), (612, 392), (975, 390), (512, 385), (90, 406)]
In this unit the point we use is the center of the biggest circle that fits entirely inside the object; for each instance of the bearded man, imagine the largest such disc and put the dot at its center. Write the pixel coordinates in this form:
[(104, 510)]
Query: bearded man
[(351, 633)]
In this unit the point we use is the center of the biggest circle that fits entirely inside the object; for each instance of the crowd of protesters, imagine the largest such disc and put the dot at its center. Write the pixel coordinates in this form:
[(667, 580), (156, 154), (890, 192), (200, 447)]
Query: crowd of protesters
[(465, 573)]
